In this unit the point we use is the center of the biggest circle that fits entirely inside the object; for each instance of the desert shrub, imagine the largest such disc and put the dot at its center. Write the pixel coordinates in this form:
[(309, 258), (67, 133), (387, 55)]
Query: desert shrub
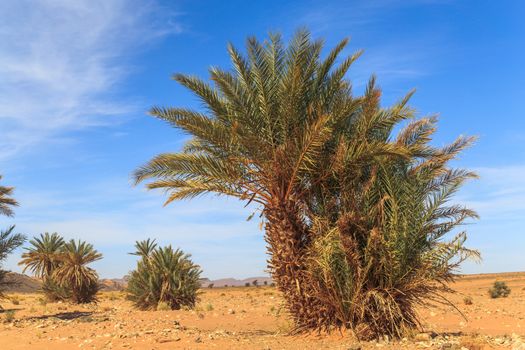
[(468, 300), (499, 290), (210, 285), (209, 307), (247, 284), (355, 197), (255, 283), (15, 300), (163, 275), (9, 316)]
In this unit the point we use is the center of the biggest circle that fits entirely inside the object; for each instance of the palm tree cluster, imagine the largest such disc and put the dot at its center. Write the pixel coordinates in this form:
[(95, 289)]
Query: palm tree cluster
[(354, 198), (163, 277), (63, 267), (9, 241)]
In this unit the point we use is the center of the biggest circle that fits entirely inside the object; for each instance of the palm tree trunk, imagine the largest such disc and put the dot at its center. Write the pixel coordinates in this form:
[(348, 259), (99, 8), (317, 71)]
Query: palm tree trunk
[(288, 240)]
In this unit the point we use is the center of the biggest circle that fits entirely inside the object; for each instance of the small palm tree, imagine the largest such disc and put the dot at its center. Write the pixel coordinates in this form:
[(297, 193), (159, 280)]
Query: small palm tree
[(164, 276), (41, 258), (73, 272), (6, 201), (9, 241)]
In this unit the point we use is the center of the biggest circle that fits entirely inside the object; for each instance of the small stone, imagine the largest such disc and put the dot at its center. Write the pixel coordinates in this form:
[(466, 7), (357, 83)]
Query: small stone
[(422, 337)]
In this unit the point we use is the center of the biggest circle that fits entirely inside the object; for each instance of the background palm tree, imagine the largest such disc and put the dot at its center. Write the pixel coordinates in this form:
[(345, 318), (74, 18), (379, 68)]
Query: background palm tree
[(283, 130), (164, 276), (41, 257), (6, 201), (9, 241), (73, 272)]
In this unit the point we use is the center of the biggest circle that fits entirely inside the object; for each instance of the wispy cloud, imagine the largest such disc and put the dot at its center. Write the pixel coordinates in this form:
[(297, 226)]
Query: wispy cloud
[(391, 55), (60, 63)]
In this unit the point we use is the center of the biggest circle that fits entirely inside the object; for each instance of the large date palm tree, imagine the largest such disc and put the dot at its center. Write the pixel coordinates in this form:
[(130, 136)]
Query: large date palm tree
[(354, 214)]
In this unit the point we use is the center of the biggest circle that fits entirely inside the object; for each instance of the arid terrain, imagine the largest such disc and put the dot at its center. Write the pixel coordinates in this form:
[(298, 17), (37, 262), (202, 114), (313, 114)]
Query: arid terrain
[(252, 318)]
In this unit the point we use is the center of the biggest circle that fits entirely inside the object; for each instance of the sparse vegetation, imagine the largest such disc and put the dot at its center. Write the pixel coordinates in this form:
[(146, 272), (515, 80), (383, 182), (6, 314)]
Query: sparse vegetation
[(163, 276), (354, 203), (499, 290)]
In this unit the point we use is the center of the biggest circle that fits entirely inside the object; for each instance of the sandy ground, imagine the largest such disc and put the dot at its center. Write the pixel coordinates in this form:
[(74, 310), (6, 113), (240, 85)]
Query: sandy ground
[(251, 318)]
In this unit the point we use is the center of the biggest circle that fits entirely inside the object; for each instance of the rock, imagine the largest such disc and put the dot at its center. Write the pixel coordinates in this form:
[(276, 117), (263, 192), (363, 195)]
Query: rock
[(198, 340), (423, 337), (231, 311), (355, 347)]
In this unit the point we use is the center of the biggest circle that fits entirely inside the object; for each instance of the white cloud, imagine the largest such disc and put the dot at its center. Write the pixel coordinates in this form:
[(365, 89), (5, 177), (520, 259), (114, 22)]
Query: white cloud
[(59, 60)]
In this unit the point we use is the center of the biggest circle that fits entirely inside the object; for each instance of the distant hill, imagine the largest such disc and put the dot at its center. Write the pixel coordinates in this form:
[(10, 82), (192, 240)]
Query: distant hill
[(25, 284), (113, 284), (232, 282), (20, 283)]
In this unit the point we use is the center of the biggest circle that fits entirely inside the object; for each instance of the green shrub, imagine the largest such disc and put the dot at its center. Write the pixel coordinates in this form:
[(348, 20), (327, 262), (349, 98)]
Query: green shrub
[(499, 290), (163, 275)]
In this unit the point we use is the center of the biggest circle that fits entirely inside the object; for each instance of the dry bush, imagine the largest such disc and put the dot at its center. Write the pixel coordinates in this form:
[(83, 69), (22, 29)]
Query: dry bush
[(499, 290)]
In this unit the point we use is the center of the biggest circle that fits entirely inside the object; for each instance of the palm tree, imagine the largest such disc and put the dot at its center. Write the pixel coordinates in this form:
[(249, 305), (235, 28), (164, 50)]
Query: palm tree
[(6, 201), (41, 257), (9, 241), (163, 276), (73, 272), (283, 131)]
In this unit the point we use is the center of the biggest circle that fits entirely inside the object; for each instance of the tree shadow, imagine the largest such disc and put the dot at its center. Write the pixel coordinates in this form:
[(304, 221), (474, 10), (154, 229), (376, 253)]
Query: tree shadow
[(64, 316), (8, 310)]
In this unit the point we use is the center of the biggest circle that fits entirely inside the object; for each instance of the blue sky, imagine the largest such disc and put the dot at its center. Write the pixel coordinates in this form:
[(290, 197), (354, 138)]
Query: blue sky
[(77, 78)]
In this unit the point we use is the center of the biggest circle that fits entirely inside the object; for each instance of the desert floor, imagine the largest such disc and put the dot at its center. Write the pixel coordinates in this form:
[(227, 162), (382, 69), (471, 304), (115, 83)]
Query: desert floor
[(251, 318)]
